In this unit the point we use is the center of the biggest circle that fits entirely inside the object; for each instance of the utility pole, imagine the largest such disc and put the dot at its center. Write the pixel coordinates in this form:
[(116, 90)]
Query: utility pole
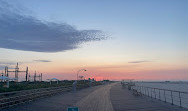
[(16, 72), (35, 77), (26, 75), (41, 77)]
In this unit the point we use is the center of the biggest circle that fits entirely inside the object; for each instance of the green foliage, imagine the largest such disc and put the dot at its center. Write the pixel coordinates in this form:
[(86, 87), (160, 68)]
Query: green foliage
[(31, 85), (35, 85)]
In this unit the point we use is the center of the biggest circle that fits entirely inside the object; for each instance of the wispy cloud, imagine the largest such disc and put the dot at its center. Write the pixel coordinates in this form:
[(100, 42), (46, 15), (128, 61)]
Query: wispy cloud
[(22, 32), (42, 60), (8, 63), (135, 62), (124, 66)]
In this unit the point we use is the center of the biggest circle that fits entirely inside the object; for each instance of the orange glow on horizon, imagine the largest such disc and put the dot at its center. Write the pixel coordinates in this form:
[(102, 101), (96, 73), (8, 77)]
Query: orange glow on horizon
[(145, 71)]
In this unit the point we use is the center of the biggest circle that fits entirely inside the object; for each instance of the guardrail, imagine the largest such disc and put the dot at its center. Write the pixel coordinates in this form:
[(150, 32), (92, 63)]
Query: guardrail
[(172, 96), (9, 99)]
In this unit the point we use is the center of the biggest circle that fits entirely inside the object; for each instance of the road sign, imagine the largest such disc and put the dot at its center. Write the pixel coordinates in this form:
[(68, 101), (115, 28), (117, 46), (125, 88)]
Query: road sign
[(72, 109)]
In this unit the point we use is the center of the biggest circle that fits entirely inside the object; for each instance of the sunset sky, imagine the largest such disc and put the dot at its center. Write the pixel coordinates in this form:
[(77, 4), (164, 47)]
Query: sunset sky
[(112, 39)]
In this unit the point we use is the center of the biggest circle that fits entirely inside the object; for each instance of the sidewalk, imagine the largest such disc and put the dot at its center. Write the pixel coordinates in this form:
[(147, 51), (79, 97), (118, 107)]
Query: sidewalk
[(123, 100), (98, 100), (58, 102)]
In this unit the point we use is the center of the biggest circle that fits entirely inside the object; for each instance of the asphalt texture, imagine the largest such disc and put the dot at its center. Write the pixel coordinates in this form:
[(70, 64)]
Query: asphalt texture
[(108, 97)]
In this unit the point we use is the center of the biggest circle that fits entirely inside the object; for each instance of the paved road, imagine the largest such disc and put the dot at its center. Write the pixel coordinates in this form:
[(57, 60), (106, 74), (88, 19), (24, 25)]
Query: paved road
[(99, 100), (110, 97)]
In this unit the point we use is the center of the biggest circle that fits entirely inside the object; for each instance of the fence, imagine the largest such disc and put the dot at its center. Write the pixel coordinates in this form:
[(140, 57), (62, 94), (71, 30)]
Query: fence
[(174, 97)]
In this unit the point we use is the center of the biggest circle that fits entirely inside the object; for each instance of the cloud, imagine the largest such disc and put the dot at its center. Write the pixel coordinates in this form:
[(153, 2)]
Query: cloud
[(115, 66), (7, 63), (135, 62), (42, 60), (3, 64), (23, 32)]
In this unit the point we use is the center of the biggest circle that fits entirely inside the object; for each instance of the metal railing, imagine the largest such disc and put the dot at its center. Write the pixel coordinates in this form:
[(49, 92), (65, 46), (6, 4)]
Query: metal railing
[(174, 97)]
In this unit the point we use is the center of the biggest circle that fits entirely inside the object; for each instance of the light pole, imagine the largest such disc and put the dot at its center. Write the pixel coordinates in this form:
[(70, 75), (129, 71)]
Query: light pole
[(75, 82), (79, 71)]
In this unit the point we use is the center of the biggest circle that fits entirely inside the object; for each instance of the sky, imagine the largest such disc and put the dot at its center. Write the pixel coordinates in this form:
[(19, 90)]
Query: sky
[(112, 39)]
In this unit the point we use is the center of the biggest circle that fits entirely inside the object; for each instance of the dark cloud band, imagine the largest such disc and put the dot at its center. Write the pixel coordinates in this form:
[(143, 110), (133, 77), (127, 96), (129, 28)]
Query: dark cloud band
[(137, 61), (21, 32), (42, 60)]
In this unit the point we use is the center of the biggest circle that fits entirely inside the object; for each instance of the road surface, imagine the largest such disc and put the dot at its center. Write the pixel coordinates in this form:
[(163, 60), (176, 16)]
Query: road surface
[(99, 100), (109, 97)]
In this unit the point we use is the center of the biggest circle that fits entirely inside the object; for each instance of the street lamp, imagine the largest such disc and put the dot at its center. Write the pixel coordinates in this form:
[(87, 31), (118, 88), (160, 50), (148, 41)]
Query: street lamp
[(75, 82), (79, 71)]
